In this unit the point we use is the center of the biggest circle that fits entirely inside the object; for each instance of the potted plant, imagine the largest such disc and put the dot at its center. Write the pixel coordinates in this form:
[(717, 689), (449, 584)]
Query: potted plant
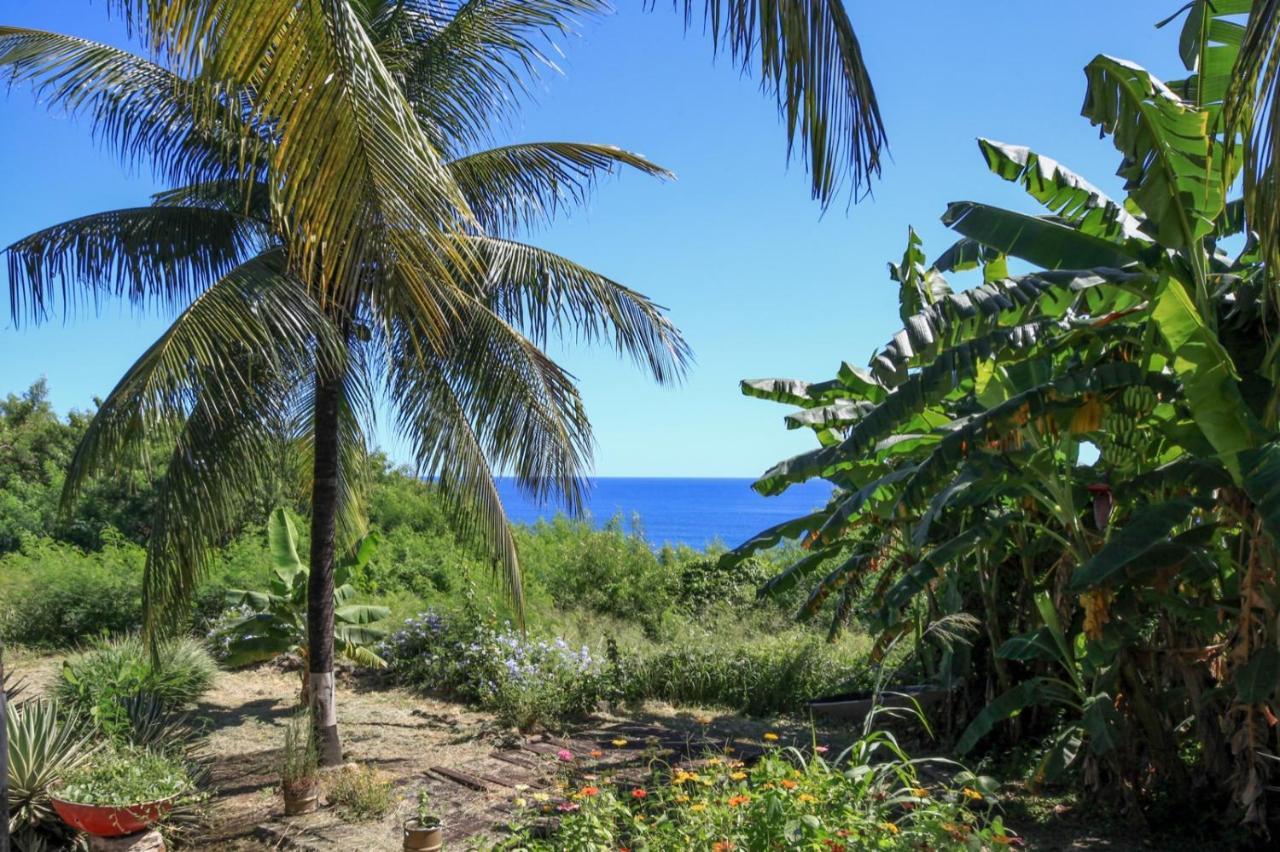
[(299, 767), (122, 790), (423, 832)]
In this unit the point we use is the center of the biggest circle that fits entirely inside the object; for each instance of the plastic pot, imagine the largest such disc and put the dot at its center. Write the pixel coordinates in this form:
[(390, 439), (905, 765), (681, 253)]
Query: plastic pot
[(112, 820)]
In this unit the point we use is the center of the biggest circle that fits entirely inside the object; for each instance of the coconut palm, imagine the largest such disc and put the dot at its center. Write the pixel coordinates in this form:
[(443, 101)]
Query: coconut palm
[(224, 379)]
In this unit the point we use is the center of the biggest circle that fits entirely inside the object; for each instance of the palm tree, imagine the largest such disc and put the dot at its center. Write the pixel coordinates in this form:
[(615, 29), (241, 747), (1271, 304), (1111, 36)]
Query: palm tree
[(303, 263), (492, 399)]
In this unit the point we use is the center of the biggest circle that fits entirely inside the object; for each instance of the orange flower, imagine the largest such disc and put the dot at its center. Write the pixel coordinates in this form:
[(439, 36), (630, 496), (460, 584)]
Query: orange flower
[(588, 792), (890, 827), (735, 801), (639, 793), (970, 793), (597, 753), (788, 784), (721, 846)]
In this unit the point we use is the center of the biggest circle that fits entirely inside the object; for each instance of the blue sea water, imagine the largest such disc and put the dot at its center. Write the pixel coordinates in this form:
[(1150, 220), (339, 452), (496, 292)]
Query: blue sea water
[(695, 512)]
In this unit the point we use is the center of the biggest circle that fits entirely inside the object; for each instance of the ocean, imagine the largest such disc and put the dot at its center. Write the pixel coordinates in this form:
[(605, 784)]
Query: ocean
[(695, 512)]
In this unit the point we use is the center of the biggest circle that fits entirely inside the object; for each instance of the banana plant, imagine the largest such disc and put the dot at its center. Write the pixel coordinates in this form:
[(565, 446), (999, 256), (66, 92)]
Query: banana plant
[(277, 622), (1086, 454)]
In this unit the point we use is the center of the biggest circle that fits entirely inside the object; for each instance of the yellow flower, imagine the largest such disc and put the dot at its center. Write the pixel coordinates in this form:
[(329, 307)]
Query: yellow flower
[(619, 742), (739, 776), (788, 784), (805, 797), (770, 737), (970, 793), (715, 761), (698, 807), (890, 827), (681, 799), (920, 793), (520, 803), (542, 797)]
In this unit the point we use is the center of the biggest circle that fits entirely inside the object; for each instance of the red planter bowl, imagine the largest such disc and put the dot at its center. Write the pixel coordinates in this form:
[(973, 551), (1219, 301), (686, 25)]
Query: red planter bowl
[(113, 820)]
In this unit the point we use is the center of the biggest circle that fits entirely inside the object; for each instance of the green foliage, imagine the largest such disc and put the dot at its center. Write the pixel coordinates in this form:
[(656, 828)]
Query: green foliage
[(125, 775), (275, 622), (100, 683), (55, 594), (758, 675), (1129, 589), (871, 796), (361, 793), (45, 746), (299, 759)]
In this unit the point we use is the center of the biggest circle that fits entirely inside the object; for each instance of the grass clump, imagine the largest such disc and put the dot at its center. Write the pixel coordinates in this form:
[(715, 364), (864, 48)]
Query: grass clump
[(300, 757), (361, 793), (100, 683)]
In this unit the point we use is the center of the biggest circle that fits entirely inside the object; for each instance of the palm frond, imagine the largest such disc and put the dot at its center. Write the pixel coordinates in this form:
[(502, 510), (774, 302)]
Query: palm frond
[(254, 323), (497, 403), (467, 65), (543, 293), (516, 186), (144, 112), (356, 184), (811, 61), (161, 255)]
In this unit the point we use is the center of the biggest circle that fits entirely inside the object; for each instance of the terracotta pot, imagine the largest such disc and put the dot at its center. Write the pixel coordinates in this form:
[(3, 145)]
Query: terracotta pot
[(112, 820), (422, 836), (300, 797)]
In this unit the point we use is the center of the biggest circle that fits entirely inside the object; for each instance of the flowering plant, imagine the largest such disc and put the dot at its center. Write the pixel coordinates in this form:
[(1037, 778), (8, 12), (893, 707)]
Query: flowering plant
[(526, 681)]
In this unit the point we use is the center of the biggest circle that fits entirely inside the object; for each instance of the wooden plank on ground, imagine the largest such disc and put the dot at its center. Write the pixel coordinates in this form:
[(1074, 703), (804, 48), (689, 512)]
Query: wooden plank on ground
[(461, 778)]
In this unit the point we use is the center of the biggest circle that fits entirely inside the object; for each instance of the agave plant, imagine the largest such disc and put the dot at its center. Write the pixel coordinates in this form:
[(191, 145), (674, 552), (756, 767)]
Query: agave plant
[(277, 623), (1085, 455), (44, 746)]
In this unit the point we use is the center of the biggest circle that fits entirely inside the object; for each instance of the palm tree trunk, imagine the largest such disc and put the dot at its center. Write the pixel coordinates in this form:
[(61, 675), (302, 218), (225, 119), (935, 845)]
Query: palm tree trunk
[(324, 515), (4, 759)]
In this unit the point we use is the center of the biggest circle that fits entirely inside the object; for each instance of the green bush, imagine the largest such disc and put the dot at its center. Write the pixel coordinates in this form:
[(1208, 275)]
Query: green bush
[(525, 681), (125, 775), (759, 675), (99, 683), (54, 594), (607, 571)]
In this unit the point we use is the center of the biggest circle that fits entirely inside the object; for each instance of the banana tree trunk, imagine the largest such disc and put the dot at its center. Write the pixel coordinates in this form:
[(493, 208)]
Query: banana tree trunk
[(324, 514), (4, 759)]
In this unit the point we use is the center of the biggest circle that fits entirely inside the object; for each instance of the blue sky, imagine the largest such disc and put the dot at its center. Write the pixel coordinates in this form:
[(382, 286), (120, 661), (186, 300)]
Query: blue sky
[(761, 283)]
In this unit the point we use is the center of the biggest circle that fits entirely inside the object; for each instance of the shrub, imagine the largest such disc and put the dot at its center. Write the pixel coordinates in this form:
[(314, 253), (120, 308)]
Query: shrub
[(54, 594), (125, 775), (99, 682), (361, 793), (608, 570), (524, 681), (760, 675), (870, 797)]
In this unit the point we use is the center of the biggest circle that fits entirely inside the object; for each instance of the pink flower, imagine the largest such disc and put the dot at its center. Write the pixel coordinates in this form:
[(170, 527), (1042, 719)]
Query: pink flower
[(565, 755), (567, 807), (820, 749)]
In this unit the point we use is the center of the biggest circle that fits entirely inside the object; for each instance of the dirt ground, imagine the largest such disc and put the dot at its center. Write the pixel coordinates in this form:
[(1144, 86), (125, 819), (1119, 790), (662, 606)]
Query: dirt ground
[(474, 769)]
